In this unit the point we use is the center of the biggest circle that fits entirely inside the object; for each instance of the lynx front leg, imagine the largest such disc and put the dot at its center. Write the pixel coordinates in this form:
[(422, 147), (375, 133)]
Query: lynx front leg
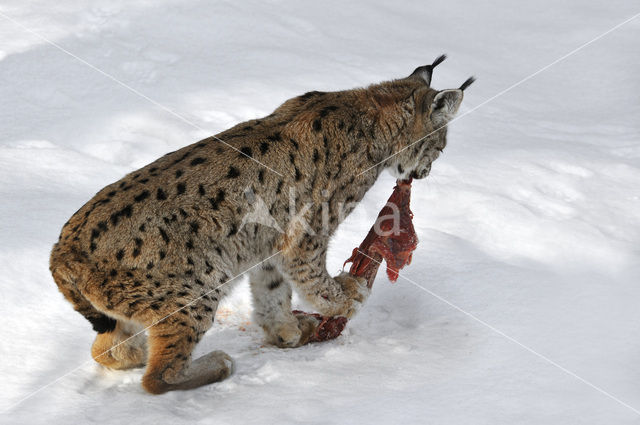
[(272, 310), (305, 266)]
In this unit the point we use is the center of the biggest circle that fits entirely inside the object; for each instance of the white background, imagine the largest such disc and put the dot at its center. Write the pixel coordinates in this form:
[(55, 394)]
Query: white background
[(530, 221)]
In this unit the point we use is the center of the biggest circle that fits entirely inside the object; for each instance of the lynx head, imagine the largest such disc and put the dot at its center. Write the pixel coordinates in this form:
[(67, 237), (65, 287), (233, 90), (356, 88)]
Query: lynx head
[(426, 111)]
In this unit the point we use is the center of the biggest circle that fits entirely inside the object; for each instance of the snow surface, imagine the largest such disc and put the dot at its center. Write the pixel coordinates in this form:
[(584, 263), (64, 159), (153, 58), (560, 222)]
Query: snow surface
[(529, 225)]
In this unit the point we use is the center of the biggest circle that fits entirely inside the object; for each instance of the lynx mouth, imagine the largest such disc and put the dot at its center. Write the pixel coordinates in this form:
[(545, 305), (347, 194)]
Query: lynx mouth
[(420, 174)]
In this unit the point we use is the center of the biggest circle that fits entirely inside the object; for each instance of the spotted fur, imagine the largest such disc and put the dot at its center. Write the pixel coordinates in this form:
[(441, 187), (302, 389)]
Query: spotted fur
[(161, 246)]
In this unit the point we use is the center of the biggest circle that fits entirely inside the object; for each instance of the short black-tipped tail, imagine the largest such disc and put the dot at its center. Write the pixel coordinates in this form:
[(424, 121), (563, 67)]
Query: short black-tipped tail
[(65, 277)]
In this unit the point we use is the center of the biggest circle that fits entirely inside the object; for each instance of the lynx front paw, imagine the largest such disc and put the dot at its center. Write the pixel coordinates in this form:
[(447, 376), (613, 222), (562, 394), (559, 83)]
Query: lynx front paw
[(312, 327), (355, 291), (293, 334), (286, 335)]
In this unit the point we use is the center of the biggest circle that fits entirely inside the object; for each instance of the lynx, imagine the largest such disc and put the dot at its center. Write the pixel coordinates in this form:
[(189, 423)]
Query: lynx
[(159, 249)]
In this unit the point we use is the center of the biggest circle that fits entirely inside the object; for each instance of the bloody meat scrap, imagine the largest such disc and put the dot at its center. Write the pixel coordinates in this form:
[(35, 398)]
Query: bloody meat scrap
[(392, 237), (327, 327)]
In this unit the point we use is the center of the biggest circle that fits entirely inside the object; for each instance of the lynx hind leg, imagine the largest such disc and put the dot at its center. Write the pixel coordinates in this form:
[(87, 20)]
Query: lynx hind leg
[(171, 342), (272, 310), (125, 347)]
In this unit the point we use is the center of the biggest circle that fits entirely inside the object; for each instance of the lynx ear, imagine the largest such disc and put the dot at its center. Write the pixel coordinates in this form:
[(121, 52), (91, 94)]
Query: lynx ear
[(445, 106), (467, 83), (426, 71)]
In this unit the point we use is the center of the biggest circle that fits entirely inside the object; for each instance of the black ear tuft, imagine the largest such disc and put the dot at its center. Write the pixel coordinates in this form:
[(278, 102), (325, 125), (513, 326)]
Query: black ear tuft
[(467, 83), (438, 60), (426, 71)]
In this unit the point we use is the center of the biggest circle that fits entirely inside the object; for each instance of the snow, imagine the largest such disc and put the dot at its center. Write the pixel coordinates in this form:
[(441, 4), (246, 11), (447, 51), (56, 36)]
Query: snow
[(521, 303)]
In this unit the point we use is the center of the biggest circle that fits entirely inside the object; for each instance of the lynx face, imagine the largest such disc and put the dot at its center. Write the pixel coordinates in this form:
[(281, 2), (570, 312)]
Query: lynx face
[(433, 110)]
